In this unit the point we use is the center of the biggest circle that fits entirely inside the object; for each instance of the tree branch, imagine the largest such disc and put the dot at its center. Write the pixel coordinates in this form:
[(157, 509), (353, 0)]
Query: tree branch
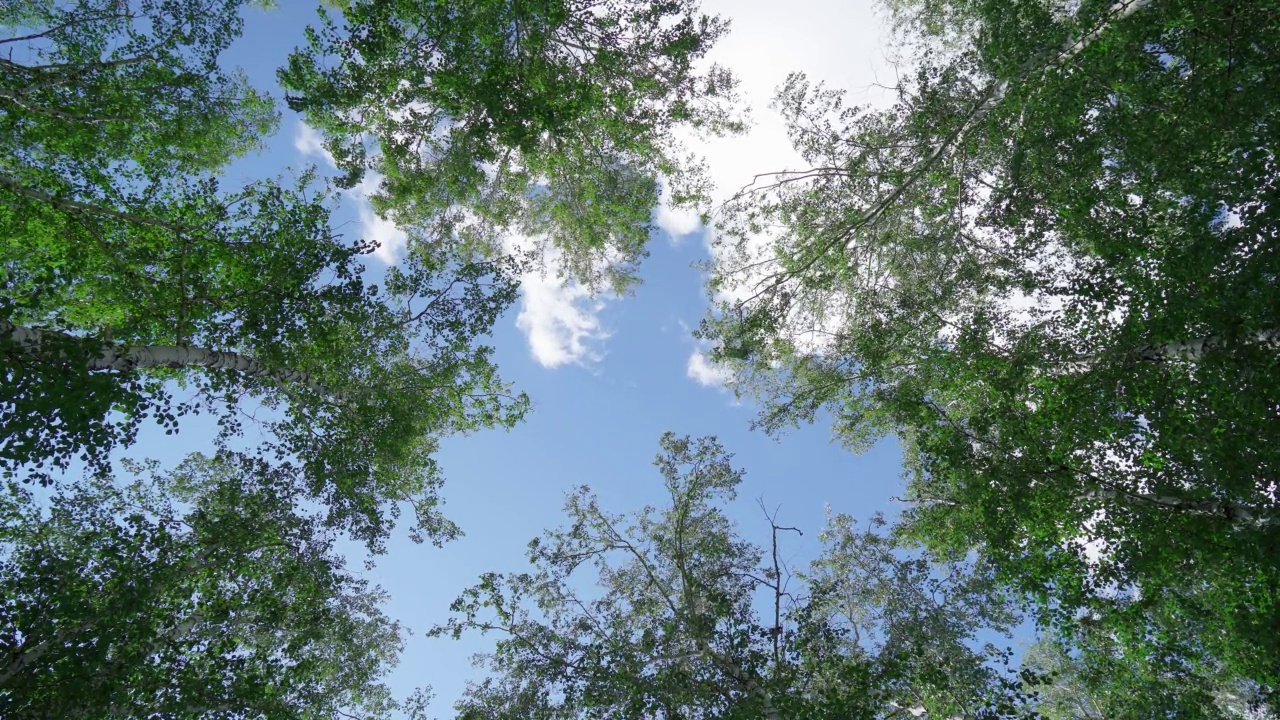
[(81, 207), (118, 358)]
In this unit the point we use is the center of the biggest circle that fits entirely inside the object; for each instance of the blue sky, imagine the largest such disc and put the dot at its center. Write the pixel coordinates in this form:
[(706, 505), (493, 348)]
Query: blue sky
[(607, 376)]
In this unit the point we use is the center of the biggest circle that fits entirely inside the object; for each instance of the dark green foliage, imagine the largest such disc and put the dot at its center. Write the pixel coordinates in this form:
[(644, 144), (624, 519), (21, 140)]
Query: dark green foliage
[(199, 592)]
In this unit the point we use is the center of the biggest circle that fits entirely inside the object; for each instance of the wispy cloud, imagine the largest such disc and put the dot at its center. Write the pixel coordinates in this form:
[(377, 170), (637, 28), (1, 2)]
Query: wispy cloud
[(701, 370), (560, 319), (390, 238), (700, 367), (309, 143), (561, 322)]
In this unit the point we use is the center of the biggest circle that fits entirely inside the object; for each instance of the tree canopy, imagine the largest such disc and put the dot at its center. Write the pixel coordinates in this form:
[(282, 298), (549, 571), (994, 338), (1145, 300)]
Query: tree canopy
[(140, 286), (98, 93), (548, 120), (1048, 269), (680, 616), (195, 592)]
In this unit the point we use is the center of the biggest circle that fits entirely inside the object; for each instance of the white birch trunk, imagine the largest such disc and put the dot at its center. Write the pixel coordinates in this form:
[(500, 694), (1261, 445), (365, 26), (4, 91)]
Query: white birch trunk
[(118, 358), (76, 206), (1239, 515), (27, 658), (182, 630), (747, 681), (1191, 351), (30, 657)]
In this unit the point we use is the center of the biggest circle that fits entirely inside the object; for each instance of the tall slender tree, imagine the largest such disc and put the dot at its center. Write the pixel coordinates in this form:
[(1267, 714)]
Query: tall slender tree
[(1049, 268)]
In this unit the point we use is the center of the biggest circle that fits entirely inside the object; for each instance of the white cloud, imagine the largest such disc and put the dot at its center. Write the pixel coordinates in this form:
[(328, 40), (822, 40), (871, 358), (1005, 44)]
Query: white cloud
[(701, 370), (390, 238), (833, 41), (561, 321), (836, 41), (676, 222), (309, 143)]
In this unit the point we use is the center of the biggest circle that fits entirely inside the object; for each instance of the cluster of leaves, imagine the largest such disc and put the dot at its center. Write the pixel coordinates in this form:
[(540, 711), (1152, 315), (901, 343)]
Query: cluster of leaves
[(98, 89), (128, 266), (1099, 677), (1049, 268), (549, 119)]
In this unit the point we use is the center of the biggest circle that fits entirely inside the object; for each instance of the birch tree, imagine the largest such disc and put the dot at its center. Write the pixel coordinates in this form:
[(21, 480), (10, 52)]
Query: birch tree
[(552, 120), (194, 593), (247, 300), (670, 612), (139, 287), (1048, 269)]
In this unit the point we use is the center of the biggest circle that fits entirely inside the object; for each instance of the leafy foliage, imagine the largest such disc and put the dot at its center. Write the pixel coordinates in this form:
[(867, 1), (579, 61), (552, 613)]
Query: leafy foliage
[(98, 90), (553, 120), (199, 592), (128, 273), (1099, 679), (1049, 268), (676, 624)]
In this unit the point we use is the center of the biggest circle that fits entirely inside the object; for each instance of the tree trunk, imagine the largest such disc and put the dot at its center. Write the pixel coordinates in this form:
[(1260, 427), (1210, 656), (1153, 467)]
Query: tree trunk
[(1193, 350), (118, 358), (1239, 515), (75, 206), (29, 657)]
